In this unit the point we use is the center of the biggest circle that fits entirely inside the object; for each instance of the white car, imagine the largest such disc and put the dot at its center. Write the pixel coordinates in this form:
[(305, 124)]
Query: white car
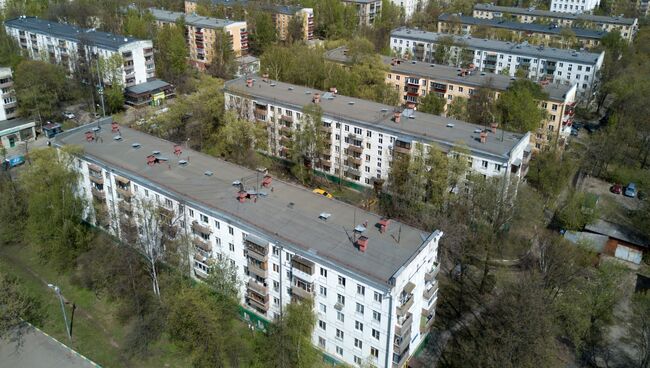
[(68, 115)]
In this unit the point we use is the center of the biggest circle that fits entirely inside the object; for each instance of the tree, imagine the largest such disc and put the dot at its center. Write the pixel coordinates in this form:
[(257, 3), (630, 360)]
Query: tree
[(295, 31), (236, 139), (17, 306), (223, 63), (114, 98), (550, 173), (307, 143), (432, 104), (480, 106), (578, 211), (458, 109), (139, 24), (10, 54), (12, 210), (262, 32), (639, 330), (518, 107), (40, 87), (443, 48), (54, 208), (568, 37), (171, 53)]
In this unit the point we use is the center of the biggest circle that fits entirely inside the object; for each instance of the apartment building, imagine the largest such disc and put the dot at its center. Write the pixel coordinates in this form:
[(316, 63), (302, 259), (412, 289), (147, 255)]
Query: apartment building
[(574, 6), (281, 14), (372, 279), (363, 137), (415, 80), (8, 104), (627, 27), (537, 62), (69, 45), (367, 10), (201, 33), (550, 35)]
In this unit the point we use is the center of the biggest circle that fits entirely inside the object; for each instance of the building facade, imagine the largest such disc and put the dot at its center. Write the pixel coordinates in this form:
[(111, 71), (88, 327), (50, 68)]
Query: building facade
[(574, 6), (627, 27), (281, 14), (550, 35), (201, 34), (363, 137), (69, 46), (374, 291), (538, 63), (16, 131), (8, 104), (367, 10)]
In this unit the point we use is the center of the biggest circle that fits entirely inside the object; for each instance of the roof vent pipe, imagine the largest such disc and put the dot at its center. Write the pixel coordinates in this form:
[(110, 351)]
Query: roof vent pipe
[(316, 98), (249, 82), (483, 137), (396, 116)]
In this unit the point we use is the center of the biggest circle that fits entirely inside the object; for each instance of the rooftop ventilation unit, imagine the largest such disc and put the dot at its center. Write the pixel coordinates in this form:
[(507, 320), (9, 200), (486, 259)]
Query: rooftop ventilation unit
[(117, 138), (478, 130), (156, 153), (208, 173), (273, 84), (324, 215), (182, 162), (384, 110), (351, 103), (290, 88), (359, 229), (450, 125), (135, 145), (96, 129), (308, 92)]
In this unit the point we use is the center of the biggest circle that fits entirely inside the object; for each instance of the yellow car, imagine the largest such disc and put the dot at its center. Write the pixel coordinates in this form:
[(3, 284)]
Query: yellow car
[(322, 192)]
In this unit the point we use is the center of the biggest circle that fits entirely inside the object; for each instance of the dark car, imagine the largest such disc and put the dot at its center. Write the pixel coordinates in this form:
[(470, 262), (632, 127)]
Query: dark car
[(577, 125), (592, 127), (616, 189)]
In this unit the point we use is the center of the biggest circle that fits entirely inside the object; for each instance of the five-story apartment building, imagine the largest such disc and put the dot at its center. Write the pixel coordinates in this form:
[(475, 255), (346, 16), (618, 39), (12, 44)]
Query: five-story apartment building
[(201, 34), (372, 279), (8, 103), (362, 137), (537, 62), (367, 10), (70, 45)]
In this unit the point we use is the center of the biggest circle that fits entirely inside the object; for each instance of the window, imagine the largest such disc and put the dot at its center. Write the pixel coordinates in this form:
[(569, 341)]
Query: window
[(484, 164), (204, 218), (168, 203), (323, 291), (276, 251), (321, 342), (497, 167), (276, 301), (374, 352), (340, 298), (276, 268), (231, 231), (323, 308), (376, 316), (342, 281), (191, 212), (358, 326), (361, 290), (339, 334), (360, 308), (357, 360), (377, 297), (323, 272), (340, 316), (358, 344), (217, 240), (322, 325), (339, 350), (368, 133), (231, 246), (276, 286), (217, 224), (375, 334)]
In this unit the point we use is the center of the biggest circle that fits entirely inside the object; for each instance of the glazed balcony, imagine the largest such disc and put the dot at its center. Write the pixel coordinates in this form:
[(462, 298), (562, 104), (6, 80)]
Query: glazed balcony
[(98, 194), (430, 289), (326, 129), (402, 150), (202, 245), (297, 291), (303, 268), (356, 161), (202, 229), (357, 149), (256, 248)]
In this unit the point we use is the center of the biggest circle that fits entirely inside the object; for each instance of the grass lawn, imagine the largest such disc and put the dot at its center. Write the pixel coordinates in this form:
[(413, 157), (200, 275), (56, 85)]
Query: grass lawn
[(96, 333)]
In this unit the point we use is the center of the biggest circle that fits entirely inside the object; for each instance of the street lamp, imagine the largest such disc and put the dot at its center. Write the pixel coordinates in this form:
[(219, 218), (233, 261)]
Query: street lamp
[(68, 328)]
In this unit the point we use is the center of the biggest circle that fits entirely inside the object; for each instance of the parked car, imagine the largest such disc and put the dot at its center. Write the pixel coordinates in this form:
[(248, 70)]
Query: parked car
[(68, 115), (13, 161), (630, 190), (616, 189), (323, 193)]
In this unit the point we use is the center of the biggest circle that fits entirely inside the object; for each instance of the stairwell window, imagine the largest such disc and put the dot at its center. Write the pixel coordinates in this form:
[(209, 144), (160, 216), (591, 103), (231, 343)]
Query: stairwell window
[(341, 281)]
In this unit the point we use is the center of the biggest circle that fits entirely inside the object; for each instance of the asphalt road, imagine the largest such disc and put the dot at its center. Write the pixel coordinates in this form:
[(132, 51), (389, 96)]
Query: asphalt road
[(38, 350)]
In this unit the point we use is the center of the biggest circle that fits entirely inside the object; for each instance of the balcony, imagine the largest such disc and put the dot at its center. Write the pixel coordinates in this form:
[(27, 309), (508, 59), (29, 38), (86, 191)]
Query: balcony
[(285, 131), (299, 292), (431, 274), (426, 320), (413, 81), (259, 302), (401, 150), (257, 287), (406, 299), (430, 290), (356, 161), (356, 149), (7, 84), (98, 194), (287, 118), (125, 207), (401, 344), (258, 269), (326, 129), (202, 245), (302, 268), (203, 229), (96, 177), (257, 248), (352, 172), (403, 326)]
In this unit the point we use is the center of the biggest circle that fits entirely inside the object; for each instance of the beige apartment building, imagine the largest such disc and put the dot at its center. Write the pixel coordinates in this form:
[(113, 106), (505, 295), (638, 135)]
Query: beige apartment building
[(201, 34), (414, 80), (281, 14), (626, 26), (367, 10)]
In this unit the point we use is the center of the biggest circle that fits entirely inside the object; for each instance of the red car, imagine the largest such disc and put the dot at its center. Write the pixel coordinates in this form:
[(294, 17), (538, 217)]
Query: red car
[(616, 189)]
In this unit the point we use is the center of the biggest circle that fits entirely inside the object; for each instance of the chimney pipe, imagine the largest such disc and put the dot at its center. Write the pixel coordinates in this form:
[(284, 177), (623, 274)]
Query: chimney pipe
[(334, 90), (483, 137), (494, 127), (316, 98), (249, 82), (396, 116)]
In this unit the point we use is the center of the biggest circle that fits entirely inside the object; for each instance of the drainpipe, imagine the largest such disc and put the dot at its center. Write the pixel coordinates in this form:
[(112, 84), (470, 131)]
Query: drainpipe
[(389, 338)]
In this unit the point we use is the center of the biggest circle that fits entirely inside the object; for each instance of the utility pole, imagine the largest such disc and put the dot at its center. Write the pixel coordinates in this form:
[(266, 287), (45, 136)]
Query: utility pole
[(100, 88), (57, 290)]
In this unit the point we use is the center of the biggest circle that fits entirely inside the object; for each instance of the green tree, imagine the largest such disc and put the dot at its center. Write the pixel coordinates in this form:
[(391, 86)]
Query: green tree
[(171, 53), (12, 210), (481, 106), (139, 24), (307, 142), (237, 139), (40, 87), (10, 54), (458, 109), (578, 211), (550, 173), (223, 63), (295, 29), (639, 331), (114, 98), (262, 32), (432, 104), (518, 107), (17, 306), (54, 208)]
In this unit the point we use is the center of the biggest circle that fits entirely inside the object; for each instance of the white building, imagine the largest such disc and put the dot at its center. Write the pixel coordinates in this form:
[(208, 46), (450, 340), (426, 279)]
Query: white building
[(373, 281), (539, 62), (8, 103), (67, 45), (574, 6), (409, 6), (364, 136)]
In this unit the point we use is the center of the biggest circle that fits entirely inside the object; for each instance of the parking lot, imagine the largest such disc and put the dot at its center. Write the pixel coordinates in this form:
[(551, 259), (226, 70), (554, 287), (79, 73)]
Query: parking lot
[(602, 188)]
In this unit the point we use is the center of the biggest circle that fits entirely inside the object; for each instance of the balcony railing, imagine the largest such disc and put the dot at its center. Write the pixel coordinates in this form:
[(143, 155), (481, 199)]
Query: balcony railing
[(99, 194), (203, 229), (200, 244), (356, 149), (96, 177), (431, 274), (430, 290), (257, 287), (355, 160), (401, 344), (260, 270), (402, 150), (403, 326), (300, 292)]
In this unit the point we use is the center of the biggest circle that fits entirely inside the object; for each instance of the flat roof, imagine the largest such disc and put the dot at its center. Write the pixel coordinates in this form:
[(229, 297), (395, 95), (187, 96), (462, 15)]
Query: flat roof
[(14, 123), (70, 32), (288, 213), (553, 29), (550, 14), (450, 74), (191, 19), (445, 132), (284, 9), (5, 71), (500, 46), (618, 231), (149, 86), (362, 1)]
